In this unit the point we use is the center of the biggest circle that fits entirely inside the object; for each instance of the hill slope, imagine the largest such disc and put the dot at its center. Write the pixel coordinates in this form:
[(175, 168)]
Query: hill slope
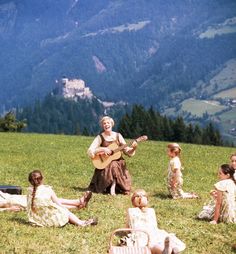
[(137, 51), (66, 167)]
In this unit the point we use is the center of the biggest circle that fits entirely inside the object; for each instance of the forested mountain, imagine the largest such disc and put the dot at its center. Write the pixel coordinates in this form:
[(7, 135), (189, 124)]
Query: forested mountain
[(157, 127), (177, 56), (136, 51), (55, 114), (64, 116)]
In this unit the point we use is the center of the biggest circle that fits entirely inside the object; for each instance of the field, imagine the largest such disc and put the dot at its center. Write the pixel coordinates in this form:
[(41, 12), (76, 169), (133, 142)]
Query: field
[(66, 167), (229, 93), (199, 107), (229, 117)]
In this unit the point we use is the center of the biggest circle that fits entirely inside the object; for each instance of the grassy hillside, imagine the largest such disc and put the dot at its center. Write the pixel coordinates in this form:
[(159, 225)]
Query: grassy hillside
[(229, 93), (67, 168), (199, 107)]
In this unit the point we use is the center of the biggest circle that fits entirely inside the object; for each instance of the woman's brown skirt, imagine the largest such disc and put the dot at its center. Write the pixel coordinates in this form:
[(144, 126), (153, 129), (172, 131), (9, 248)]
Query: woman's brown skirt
[(103, 178)]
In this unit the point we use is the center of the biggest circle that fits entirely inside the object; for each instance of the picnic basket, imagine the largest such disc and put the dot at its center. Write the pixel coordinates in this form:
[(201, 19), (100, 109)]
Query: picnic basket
[(113, 249)]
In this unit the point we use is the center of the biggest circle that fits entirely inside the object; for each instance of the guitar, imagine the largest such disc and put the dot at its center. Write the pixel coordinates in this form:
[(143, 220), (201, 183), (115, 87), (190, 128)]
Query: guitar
[(100, 161)]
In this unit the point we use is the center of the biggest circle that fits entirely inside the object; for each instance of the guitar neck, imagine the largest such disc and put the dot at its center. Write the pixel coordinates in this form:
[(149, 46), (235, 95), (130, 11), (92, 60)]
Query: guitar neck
[(119, 148), (140, 139)]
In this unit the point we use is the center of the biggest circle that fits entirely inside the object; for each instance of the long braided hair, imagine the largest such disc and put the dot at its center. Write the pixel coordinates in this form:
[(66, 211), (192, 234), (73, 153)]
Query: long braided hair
[(35, 178)]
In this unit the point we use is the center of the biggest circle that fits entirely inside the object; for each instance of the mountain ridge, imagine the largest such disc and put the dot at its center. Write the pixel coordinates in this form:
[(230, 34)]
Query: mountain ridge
[(151, 52)]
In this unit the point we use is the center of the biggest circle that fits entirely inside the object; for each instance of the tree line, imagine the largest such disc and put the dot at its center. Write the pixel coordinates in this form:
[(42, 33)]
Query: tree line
[(59, 116), (9, 123), (157, 127)]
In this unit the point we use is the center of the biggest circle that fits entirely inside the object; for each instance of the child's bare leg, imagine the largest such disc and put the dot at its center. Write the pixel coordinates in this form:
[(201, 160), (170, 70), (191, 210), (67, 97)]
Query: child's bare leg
[(188, 195), (69, 202), (4, 204), (113, 188), (167, 247), (156, 250), (73, 219), (8, 207), (76, 203)]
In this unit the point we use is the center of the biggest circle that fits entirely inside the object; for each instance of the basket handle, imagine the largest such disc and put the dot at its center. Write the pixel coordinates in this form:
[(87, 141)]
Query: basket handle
[(128, 230)]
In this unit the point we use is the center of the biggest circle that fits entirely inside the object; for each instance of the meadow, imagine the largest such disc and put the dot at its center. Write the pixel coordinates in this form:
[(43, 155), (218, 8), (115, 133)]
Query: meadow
[(229, 93), (199, 107), (68, 169)]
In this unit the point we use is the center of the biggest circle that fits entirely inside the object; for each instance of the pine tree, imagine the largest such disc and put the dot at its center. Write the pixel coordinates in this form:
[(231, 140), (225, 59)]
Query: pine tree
[(189, 137), (9, 123), (179, 130), (197, 135), (125, 126)]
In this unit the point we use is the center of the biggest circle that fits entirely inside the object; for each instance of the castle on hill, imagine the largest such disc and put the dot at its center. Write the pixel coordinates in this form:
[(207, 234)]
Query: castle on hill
[(73, 89)]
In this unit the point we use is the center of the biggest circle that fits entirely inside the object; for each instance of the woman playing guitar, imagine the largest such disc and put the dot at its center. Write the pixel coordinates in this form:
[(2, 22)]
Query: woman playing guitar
[(114, 177)]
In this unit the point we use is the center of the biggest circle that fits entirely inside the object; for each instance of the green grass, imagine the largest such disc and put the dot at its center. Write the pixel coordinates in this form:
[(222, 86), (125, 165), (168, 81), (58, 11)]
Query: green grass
[(227, 121), (229, 93), (199, 107), (229, 117), (66, 167)]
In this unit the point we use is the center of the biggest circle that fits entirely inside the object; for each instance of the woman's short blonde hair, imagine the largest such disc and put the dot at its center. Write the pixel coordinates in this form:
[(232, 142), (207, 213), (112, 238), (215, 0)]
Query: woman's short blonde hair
[(139, 198), (107, 118)]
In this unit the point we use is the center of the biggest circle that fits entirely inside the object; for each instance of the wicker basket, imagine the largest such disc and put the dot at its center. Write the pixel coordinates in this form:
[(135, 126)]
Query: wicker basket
[(127, 249)]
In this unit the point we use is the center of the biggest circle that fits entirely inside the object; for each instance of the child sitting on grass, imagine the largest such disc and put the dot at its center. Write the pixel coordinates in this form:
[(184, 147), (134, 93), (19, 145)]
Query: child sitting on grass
[(12, 202), (175, 177), (233, 163), (45, 208), (144, 218), (16, 203), (222, 207)]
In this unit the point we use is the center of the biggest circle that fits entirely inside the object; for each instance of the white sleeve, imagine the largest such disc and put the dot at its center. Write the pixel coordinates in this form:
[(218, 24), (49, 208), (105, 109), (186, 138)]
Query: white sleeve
[(127, 150), (153, 216), (221, 185), (95, 144), (176, 163)]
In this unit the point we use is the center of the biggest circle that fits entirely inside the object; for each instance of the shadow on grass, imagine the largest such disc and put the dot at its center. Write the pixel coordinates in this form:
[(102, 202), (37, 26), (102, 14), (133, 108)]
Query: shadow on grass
[(234, 248), (78, 188), (162, 195), (20, 221)]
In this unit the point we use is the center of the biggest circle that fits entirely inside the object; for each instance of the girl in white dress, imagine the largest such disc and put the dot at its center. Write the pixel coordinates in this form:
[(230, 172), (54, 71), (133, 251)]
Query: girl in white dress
[(233, 163), (12, 202), (222, 207), (45, 209), (175, 176), (144, 218), (16, 203)]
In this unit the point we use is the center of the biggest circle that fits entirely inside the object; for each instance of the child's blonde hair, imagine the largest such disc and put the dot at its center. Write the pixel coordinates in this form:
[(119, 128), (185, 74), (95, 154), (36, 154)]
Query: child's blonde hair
[(175, 148), (139, 198), (233, 154)]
